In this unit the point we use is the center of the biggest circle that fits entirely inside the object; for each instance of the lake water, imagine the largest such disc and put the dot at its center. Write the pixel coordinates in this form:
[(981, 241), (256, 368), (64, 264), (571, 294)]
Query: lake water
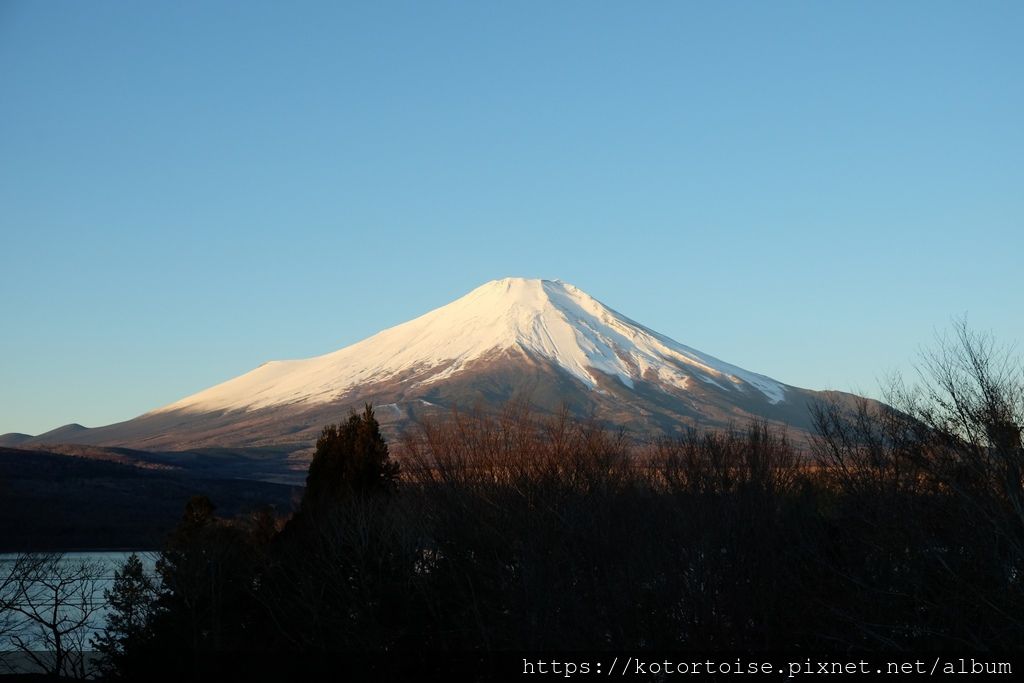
[(77, 597)]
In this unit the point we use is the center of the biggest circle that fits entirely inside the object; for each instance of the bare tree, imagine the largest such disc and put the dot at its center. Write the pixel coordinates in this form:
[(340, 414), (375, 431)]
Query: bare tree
[(11, 622), (934, 481), (52, 604)]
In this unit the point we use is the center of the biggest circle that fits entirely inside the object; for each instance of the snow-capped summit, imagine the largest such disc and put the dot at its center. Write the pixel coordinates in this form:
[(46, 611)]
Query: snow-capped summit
[(545, 319)]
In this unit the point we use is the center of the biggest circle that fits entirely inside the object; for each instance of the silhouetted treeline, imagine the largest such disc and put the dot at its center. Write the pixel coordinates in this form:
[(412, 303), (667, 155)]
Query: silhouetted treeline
[(902, 528)]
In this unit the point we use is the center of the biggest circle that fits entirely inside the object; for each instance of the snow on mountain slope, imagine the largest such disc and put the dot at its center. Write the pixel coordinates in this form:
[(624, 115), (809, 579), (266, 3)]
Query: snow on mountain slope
[(543, 318)]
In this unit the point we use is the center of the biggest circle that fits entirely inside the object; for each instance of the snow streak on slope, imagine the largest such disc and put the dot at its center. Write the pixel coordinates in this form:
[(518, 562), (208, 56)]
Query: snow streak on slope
[(545, 318)]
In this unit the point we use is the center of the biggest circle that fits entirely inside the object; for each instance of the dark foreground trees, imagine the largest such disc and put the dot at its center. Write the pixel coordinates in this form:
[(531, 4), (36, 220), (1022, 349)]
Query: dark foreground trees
[(928, 502), (902, 529)]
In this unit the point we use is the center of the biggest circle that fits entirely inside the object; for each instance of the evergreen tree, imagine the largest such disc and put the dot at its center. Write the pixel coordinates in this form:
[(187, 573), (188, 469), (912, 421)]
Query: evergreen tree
[(131, 600), (351, 459)]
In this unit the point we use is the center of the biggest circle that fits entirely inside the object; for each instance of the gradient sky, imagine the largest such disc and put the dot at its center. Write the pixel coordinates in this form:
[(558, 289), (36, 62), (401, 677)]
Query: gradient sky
[(188, 189)]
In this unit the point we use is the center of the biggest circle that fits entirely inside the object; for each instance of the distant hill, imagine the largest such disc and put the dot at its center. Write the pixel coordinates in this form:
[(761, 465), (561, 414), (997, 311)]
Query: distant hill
[(57, 501)]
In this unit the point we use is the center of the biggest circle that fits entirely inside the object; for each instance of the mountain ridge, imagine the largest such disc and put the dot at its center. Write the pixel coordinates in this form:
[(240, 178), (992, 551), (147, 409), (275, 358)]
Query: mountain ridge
[(544, 341)]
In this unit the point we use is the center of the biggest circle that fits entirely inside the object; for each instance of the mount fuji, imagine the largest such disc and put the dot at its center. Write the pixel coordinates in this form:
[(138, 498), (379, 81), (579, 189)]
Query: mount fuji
[(543, 341)]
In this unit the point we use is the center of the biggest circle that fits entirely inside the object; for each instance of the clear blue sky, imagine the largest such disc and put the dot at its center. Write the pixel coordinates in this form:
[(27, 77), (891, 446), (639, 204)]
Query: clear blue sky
[(188, 189)]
